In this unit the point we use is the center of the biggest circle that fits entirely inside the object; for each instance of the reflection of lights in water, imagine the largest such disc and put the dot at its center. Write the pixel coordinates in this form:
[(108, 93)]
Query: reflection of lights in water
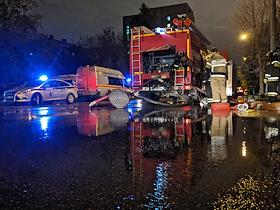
[(188, 121), (218, 149), (244, 149), (157, 200), (29, 116), (43, 111), (132, 112), (271, 132), (44, 122)]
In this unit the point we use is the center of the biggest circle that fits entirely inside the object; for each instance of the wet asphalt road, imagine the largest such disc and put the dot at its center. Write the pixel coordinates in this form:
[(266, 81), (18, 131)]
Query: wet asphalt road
[(70, 157)]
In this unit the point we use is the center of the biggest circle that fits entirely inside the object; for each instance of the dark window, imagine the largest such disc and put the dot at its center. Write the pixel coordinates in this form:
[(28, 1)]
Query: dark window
[(60, 84), (53, 84), (49, 84), (115, 81)]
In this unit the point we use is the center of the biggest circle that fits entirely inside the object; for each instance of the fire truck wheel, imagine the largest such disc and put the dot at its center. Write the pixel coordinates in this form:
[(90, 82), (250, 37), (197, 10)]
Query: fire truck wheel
[(36, 99), (70, 98), (119, 99)]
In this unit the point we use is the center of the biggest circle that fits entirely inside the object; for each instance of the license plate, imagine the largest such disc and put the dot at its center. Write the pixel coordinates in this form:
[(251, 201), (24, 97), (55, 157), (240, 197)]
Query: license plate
[(10, 97)]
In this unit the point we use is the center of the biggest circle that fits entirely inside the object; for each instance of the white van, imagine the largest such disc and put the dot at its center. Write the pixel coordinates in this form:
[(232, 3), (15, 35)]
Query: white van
[(98, 81)]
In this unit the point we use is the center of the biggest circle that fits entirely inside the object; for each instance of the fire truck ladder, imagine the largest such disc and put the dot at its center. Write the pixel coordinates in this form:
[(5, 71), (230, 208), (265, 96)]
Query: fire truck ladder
[(136, 57), (179, 78)]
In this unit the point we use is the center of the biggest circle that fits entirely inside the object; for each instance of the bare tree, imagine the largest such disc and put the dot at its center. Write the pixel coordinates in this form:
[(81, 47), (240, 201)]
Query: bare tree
[(253, 16), (19, 15), (107, 49)]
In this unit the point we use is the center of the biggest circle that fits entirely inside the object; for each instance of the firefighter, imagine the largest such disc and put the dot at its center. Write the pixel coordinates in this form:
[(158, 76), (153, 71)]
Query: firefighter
[(176, 65), (218, 65), (177, 60), (185, 61), (272, 74)]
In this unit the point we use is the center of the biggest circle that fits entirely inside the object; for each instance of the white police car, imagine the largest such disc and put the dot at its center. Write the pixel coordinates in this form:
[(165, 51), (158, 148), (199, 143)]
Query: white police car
[(38, 91)]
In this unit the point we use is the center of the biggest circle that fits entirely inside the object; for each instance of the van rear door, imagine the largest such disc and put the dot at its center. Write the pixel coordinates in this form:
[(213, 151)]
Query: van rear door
[(86, 81)]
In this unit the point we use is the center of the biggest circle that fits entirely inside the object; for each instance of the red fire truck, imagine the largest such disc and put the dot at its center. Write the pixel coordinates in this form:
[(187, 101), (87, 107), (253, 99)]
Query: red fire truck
[(153, 55)]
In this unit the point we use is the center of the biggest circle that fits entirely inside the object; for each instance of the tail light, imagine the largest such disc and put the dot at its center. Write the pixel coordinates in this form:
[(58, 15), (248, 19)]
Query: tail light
[(187, 87)]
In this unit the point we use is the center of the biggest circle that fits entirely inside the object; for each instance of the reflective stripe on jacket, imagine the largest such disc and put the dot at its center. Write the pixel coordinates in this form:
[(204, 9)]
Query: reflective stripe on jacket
[(218, 64)]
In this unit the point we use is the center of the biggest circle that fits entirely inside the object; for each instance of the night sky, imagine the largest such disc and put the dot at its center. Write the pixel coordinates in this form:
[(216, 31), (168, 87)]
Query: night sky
[(71, 19)]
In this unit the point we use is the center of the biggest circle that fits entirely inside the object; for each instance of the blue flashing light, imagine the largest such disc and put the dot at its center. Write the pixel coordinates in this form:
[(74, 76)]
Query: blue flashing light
[(43, 78), (130, 110), (139, 104), (160, 30), (128, 80)]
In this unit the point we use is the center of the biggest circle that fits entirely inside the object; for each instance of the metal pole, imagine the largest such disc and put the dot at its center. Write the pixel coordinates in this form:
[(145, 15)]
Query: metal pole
[(272, 24)]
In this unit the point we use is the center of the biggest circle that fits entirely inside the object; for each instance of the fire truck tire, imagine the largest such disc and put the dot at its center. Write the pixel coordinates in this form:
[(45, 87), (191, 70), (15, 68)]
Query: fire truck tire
[(119, 99), (36, 99)]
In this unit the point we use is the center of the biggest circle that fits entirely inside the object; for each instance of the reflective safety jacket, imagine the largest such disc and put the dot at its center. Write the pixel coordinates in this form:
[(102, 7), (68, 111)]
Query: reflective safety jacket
[(218, 65)]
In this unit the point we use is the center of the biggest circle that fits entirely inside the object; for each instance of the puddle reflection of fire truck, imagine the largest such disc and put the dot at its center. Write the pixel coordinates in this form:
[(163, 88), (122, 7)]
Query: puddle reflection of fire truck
[(158, 137)]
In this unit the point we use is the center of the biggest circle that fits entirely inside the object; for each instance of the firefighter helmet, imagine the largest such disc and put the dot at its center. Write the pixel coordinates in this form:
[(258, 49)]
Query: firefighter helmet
[(214, 49)]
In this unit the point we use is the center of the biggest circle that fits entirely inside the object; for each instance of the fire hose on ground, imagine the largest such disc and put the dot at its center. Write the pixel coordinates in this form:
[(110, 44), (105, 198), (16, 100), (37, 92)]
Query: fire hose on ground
[(121, 98)]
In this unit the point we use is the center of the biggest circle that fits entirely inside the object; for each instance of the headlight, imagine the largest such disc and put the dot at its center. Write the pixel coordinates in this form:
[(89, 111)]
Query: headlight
[(26, 91)]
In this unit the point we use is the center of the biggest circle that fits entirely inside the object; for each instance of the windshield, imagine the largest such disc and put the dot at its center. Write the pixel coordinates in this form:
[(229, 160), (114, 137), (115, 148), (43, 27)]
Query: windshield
[(34, 83)]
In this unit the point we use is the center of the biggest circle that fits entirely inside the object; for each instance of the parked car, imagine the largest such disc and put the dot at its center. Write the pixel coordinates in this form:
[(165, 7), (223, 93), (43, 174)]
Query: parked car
[(37, 92)]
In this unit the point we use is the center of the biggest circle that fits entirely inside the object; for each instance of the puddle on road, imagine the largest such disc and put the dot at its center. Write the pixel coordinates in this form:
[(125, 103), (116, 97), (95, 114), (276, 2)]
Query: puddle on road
[(138, 159)]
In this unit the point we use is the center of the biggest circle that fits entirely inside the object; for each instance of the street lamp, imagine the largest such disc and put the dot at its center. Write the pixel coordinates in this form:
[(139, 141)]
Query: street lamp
[(244, 36)]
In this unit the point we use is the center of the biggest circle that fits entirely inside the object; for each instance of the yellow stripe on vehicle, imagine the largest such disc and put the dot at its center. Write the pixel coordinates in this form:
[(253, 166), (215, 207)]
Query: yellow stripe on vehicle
[(109, 86)]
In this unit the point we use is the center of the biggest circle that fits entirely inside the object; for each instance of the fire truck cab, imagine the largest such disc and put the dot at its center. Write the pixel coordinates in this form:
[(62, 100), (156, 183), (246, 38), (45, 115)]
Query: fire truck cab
[(155, 54)]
